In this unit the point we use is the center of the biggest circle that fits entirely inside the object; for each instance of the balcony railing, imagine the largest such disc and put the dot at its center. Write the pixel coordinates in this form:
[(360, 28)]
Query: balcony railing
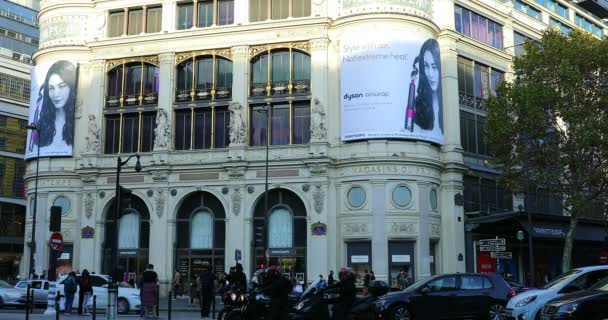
[(470, 101)]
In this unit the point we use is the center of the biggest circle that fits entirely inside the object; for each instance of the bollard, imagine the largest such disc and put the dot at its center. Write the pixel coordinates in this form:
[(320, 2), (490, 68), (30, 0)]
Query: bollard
[(94, 307), (27, 302), (112, 300), (169, 307), (213, 306), (57, 306), (157, 300)]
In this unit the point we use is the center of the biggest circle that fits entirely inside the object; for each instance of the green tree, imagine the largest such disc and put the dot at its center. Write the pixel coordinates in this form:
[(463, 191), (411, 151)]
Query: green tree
[(548, 127)]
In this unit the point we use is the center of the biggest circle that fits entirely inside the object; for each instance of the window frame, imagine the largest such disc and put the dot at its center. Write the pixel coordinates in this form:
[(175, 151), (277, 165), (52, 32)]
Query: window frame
[(144, 24), (194, 20), (496, 40), (264, 9)]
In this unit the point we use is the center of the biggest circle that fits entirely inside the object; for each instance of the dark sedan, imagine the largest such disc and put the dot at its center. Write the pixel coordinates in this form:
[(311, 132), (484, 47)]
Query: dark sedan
[(591, 304), (449, 296)]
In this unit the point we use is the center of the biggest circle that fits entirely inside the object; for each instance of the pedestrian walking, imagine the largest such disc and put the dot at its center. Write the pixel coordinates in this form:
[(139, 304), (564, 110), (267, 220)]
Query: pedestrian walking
[(69, 290), (177, 278), (330, 278), (402, 280), (149, 291), (277, 287), (347, 293), (85, 293), (367, 278), (193, 289), (372, 276), (207, 290)]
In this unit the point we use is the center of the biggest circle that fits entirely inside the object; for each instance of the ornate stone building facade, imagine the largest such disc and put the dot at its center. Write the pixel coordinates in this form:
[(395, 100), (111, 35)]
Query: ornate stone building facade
[(187, 85)]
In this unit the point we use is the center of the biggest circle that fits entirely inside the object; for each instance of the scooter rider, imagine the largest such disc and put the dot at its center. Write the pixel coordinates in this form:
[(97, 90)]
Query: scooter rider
[(348, 293), (277, 288)]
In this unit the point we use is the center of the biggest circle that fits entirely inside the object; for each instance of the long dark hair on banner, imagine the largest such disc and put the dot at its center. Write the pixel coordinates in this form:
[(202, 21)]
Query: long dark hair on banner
[(425, 116), (46, 121)]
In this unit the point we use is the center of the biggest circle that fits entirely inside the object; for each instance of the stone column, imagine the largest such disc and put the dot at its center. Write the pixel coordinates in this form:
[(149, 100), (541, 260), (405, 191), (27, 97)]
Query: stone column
[(423, 251), (317, 256), (318, 83), (158, 249), (42, 233), (452, 222), (165, 98), (87, 246), (235, 222), (169, 15), (91, 87), (379, 258), (241, 12), (240, 89)]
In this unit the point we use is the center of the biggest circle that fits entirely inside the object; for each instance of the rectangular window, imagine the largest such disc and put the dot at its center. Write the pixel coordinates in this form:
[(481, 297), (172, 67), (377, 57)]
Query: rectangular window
[(258, 10), (148, 125), (518, 41), (112, 134), (472, 128), (14, 88), (202, 128), (225, 12), (154, 20), (259, 128), (280, 9), (588, 25), (116, 24), (557, 24), (130, 132), (183, 127), (527, 9), (279, 125), (135, 21), (211, 128), (476, 83), (478, 27), (205, 14), (301, 8), (486, 195), (221, 128), (301, 124), (554, 6), (184, 16)]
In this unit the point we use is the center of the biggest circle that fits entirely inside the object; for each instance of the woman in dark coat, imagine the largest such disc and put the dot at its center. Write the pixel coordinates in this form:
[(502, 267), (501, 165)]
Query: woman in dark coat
[(149, 290)]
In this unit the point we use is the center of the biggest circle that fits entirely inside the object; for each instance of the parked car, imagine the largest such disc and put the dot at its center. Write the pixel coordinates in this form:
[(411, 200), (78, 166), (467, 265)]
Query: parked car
[(589, 304), (128, 298), (450, 296), (39, 290), (518, 287), (9, 296), (527, 305)]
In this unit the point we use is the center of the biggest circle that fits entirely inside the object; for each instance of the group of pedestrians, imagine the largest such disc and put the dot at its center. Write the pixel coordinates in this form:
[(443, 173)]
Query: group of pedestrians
[(71, 285)]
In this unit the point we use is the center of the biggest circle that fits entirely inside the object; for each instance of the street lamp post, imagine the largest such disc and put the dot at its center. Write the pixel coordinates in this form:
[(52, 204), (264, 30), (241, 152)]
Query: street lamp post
[(32, 268), (112, 287)]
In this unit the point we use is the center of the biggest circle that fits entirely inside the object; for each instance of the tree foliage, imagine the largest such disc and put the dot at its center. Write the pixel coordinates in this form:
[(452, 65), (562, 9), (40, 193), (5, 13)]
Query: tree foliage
[(548, 127)]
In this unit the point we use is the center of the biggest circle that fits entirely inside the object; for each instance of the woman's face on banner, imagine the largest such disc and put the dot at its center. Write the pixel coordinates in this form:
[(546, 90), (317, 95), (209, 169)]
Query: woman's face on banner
[(59, 91), (431, 70)]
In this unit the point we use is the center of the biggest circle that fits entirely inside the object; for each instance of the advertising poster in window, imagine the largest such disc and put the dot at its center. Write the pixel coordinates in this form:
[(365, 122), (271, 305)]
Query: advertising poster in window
[(52, 104), (391, 87)]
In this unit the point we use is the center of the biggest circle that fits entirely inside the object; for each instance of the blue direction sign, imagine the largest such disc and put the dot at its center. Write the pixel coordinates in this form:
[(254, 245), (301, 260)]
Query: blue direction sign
[(237, 254)]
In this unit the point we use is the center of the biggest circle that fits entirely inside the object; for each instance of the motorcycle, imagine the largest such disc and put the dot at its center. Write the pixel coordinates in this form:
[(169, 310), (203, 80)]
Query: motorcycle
[(233, 299), (255, 306)]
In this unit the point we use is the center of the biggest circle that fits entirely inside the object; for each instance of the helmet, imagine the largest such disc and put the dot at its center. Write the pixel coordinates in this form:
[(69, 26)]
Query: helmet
[(344, 272), (272, 271)]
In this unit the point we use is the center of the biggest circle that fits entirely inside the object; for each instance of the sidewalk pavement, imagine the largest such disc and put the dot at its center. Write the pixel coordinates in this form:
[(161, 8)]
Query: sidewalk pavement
[(6, 315)]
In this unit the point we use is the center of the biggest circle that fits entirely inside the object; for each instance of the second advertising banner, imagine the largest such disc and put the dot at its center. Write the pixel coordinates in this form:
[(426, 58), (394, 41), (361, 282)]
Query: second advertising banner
[(391, 86)]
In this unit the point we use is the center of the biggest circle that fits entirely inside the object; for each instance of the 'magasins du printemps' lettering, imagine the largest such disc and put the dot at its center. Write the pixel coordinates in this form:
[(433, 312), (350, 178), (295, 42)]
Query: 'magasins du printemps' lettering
[(351, 96)]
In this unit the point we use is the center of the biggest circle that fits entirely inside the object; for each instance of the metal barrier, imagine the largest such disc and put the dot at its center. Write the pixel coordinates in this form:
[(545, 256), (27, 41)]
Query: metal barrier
[(27, 302), (94, 307)]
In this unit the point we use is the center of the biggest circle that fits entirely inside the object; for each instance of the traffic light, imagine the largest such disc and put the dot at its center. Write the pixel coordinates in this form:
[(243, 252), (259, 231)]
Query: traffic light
[(55, 225), (125, 197)]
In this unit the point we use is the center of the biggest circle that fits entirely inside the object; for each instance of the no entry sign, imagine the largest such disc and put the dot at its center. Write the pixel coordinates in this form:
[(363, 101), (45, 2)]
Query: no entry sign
[(56, 241)]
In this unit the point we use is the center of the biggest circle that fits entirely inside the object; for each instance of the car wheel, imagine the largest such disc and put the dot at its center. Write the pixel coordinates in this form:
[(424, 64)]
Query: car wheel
[(123, 306), (497, 312), (400, 312)]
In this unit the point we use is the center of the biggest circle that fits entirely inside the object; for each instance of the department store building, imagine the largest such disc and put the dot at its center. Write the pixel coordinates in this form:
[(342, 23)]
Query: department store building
[(200, 88)]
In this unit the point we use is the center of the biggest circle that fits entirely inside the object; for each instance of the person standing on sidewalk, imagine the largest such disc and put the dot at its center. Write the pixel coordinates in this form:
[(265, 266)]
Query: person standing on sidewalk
[(207, 290), (69, 290), (149, 290), (86, 291), (177, 278)]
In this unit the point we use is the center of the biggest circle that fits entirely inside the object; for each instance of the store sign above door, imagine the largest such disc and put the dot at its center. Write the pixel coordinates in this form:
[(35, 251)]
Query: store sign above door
[(280, 252), (359, 259)]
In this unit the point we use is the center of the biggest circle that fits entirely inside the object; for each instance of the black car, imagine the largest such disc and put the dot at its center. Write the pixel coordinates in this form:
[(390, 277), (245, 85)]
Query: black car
[(449, 296), (591, 304)]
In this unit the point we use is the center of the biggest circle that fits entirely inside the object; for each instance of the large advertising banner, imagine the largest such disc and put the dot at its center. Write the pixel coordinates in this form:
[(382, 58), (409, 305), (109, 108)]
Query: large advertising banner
[(52, 104), (391, 86)]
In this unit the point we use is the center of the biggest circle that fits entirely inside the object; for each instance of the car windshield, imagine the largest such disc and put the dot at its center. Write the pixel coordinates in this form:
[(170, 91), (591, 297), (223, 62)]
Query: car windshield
[(418, 284), (562, 279), (4, 284), (602, 285)]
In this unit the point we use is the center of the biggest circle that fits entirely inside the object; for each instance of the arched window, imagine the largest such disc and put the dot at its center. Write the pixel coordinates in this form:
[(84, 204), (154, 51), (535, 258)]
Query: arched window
[(280, 229), (130, 107), (128, 231), (201, 230), (280, 78), (203, 91)]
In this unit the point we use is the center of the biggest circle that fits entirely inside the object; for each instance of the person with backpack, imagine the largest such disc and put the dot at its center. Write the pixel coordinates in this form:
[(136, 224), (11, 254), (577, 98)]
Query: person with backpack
[(69, 290), (85, 293)]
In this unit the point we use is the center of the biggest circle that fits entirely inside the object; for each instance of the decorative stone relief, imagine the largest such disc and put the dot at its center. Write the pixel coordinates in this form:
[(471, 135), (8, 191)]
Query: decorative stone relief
[(161, 142), (420, 8), (63, 30), (78, 107), (93, 136), (403, 228), (305, 187), (159, 176), (159, 199), (435, 230), (318, 197), (250, 189), (237, 124), (317, 169), (318, 130), (88, 179), (89, 204), (236, 173), (240, 52), (356, 228), (236, 201)]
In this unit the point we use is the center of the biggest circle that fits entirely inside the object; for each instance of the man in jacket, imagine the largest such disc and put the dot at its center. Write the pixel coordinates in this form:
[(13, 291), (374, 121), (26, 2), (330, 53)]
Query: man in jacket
[(348, 292), (86, 291), (207, 290), (277, 288)]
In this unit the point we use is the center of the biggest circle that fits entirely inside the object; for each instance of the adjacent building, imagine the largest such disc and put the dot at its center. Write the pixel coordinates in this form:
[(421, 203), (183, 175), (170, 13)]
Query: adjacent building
[(18, 41), (274, 132)]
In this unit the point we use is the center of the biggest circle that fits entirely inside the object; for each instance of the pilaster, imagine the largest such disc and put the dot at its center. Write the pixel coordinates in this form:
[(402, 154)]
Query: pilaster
[(423, 251), (379, 240)]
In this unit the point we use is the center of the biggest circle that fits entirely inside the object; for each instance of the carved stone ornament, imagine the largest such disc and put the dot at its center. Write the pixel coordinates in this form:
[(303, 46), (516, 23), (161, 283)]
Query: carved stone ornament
[(250, 189), (459, 199), (318, 197), (235, 173), (88, 179), (173, 192), (435, 230), (162, 131), (93, 136), (159, 176), (403, 228), (356, 228), (236, 199), (305, 187), (318, 129), (89, 203), (318, 169), (159, 200), (237, 124)]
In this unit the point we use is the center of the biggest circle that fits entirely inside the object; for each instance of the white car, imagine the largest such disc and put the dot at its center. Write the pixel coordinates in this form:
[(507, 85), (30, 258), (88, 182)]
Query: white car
[(10, 296), (128, 298), (527, 305)]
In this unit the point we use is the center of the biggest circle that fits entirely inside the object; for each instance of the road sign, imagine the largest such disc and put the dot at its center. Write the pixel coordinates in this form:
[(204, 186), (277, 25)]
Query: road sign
[(493, 242), (56, 241), (237, 255), (501, 255), (492, 248)]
